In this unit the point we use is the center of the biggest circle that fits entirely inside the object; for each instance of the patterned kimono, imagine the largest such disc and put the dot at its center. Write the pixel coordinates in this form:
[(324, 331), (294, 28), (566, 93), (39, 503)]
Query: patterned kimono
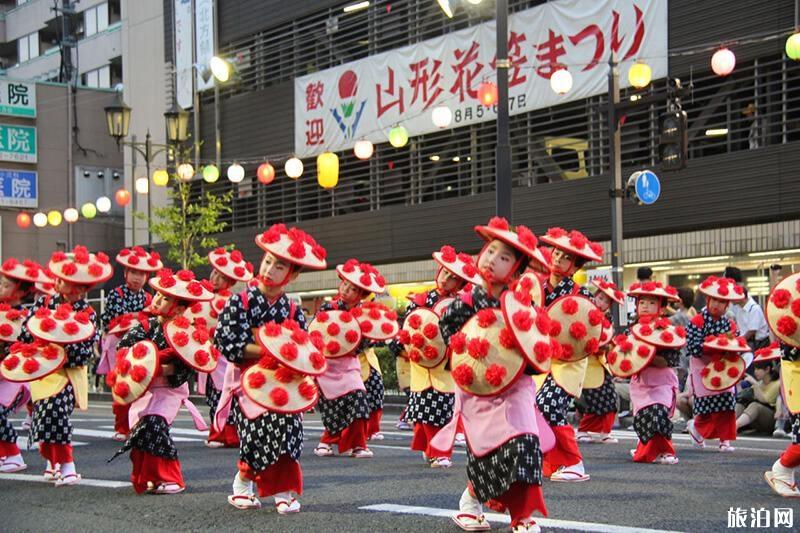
[(599, 405), (12, 397), (714, 413), (121, 300), (791, 356), (428, 409), (515, 465), (51, 425), (153, 452), (553, 400), (271, 443), (346, 417)]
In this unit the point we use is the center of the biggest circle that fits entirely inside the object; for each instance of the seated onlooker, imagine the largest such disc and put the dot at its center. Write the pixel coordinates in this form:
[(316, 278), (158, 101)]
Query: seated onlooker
[(684, 402), (755, 405), (681, 317), (783, 427)]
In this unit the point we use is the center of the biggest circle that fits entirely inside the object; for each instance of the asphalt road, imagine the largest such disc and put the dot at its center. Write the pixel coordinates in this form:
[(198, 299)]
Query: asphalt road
[(343, 494)]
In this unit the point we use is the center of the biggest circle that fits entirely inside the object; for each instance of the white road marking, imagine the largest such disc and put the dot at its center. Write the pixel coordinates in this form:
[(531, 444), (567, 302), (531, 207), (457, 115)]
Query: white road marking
[(494, 517), (86, 482), (109, 434), (22, 442)]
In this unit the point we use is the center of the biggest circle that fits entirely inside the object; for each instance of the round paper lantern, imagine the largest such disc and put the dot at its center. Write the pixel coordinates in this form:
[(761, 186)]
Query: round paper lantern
[(363, 149), (398, 136), (123, 196), (327, 170), (442, 116), (793, 46), (210, 173), (40, 220), (561, 81), (265, 173), (23, 220), (580, 277), (487, 93), (54, 218), (236, 173), (103, 204), (185, 171), (723, 62), (640, 75), (142, 185), (88, 210), (161, 177), (293, 168), (71, 215)]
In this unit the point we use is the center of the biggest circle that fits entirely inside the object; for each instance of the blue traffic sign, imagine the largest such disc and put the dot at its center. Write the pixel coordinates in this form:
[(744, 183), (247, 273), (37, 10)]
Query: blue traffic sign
[(648, 187)]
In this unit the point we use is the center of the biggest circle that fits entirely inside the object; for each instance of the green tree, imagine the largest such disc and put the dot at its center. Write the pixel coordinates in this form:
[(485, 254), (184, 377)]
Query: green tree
[(187, 227)]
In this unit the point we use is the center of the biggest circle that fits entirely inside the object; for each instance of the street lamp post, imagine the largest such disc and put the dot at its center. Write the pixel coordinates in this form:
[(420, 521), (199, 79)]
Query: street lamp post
[(503, 151), (616, 192), (118, 118)]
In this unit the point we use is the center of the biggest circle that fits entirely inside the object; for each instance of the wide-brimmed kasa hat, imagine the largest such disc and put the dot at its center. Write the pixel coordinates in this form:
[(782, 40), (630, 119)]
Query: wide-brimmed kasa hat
[(81, 267), (133, 373), (293, 347), (576, 323), (191, 342), (609, 289), (376, 320), (11, 320), (573, 242), (32, 361), (182, 285), (529, 327), (293, 245), (460, 265), (363, 275), (521, 238), (137, 258), (231, 264), (338, 332), (722, 289), (62, 325), (422, 339), (629, 355), (722, 372), (783, 310), (279, 388), (660, 333)]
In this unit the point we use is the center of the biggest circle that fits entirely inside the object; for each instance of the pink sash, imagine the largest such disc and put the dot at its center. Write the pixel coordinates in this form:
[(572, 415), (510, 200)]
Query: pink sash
[(9, 391), (217, 377), (491, 422), (232, 387), (165, 401), (343, 375), (108, 354), (654, 385)]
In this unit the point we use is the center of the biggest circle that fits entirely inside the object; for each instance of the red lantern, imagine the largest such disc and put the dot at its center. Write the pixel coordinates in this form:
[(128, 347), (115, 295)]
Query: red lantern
[(265, 173), (487, 93), (123, 197), (23, 220)]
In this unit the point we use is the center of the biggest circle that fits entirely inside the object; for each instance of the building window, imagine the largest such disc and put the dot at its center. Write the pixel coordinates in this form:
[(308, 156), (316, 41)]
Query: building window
[(21, 2), (28, 46), (98, 78), (95, 19)]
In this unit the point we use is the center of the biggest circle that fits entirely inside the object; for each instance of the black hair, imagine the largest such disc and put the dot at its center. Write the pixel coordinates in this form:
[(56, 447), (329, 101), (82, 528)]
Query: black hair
[(687, 296), (770, 367), (734, 273), (579, 262), (644, 273)]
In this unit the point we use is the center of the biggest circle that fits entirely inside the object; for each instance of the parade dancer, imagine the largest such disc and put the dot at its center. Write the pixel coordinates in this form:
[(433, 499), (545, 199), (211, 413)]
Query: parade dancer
[(351, 399), (270, 442), (228, 267), (599, 396), (127, 299), (654, 345), (571, 250), (16, 285), (173, 342), (430, 406), (714, 411), (783, 317), (493, 398), (55, 396)]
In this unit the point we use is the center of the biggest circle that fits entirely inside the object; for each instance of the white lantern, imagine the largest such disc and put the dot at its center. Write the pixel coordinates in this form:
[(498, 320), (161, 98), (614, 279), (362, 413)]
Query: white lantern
[(363, 149), (103, 204), (40, 220), (236, 173), (142, 185), (71, 215), (442, 116), (293, 168), (185, 171), (723, 62), (561, 81)]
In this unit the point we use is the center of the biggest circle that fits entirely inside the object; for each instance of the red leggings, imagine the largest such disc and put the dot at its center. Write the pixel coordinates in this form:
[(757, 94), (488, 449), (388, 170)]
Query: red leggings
[(564, 453), (284, 475), (597, 423), (121, 424), (8, 449), (720, 425), (521, 500), (647, 453), (351, 437), (374, 423), (155, 469), (227, 436), (423, 434), (791, 456), (56, 453)]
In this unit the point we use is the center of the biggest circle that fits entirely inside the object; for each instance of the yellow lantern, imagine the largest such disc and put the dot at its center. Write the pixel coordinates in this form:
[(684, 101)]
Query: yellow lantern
[(160, 177), (580, 277), (640, 74), (327, 170), (398, 136), (54, 218)]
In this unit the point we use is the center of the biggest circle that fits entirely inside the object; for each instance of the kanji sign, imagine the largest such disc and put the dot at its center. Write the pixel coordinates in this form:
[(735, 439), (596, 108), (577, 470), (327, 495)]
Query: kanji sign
[(17, 98), (336, 107), (19, 188), (17, 143)]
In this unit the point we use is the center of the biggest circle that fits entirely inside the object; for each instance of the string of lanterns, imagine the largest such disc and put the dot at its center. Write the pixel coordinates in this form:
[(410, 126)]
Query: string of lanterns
[(723, 63)]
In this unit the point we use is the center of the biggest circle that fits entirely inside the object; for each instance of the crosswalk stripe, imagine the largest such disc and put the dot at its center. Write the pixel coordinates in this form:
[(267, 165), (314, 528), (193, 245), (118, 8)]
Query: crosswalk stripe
[(86, 482)]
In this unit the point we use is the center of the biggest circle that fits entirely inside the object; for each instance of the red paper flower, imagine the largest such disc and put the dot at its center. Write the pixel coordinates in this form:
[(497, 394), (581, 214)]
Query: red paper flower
[(289, 351), (611, 358), (387, 328), (322, 317), (430, 331), (366, 327), (448, 254), (69, 269), (279, 396), (570, 306), (180, 339), (181, 321), (543, 323), (202, 358), (499, 223), (11, 362), (139, 351), (351, 336), (506, 339), (272, 329), (50, 352), (317, 360), (522, 320), (121, 389), (256, 380), (307, 390), (596, 317), (415, 321), (542, 350), (333, 347), (463, 375), (698, 321), (555, 328), (478, 348), (796, 307), (716, 382), (787, 326), (417, 340), (495, 375), (47, 325), (458, 342), (138, 373), (592, 345), (6, 330), (486, 317), (284, 374), (625, 365), (577, 330)]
